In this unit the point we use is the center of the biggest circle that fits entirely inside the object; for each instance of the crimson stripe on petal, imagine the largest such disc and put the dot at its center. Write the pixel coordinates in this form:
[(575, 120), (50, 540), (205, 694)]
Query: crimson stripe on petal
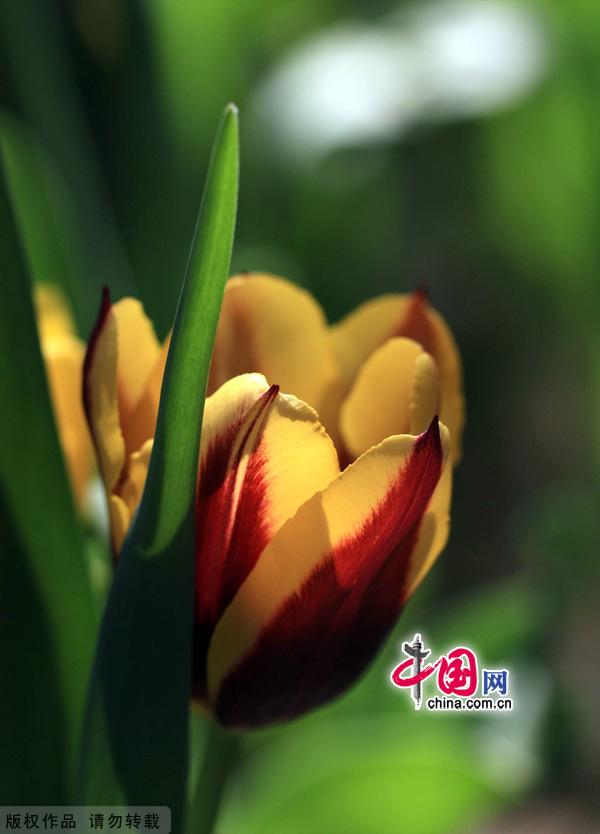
[(99, 325), (231, 521), (323, 637)]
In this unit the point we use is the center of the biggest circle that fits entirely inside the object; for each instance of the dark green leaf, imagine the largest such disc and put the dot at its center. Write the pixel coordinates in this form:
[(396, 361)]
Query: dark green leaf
[(47, 624), (44, 214), (135, 744), (38, 62)]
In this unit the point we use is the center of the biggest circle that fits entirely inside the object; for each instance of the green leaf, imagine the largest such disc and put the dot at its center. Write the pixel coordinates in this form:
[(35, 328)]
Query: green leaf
[(208, 779), (169, 495), (38, 63), (389, 772), (44, 214), (135, 742), (47, 625)]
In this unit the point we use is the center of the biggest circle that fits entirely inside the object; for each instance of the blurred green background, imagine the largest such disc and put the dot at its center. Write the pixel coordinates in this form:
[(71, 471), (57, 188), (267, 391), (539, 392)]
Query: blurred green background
[(385, 145)]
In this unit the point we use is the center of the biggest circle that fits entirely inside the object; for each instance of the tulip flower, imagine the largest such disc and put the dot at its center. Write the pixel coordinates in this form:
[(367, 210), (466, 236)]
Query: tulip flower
[(270, 325), (123, 372), (352, 374), (301, 569), (63, 356)]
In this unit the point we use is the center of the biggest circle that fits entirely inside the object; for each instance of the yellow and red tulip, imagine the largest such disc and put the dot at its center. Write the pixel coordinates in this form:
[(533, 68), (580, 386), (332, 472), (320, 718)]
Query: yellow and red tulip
[(63, 355), (301, 569), (271, 326), (123, 372)]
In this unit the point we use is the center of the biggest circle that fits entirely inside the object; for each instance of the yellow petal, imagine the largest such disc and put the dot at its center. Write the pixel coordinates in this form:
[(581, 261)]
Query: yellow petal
[(365, 329), (348, 524), (138, 355), (357, 336), (270, 326), (123, 375), (396, 391), (63, 357), (52, 312), (120, 519), (100, 396), (124, 502), (141, 421), (297, 456), (132, 486)]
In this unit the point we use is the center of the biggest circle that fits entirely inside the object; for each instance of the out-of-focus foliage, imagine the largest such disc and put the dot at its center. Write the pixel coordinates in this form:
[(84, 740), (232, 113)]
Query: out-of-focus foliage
[(47, 626), (325, 786), (491, 200)]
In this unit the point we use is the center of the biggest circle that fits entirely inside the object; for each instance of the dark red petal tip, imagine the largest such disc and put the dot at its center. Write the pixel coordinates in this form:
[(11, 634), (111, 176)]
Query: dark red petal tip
[(231, 522), (417, 324), (103, 312), (431, 440), (435, 424)]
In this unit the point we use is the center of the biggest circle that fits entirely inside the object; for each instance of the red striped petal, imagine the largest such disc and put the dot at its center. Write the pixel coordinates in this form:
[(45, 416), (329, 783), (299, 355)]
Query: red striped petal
[(324, 634), (263, 454)]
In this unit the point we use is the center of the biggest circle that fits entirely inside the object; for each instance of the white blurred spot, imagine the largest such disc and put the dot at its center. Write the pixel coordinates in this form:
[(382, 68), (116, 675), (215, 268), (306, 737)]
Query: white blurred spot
[(95, 506), (479, 56), (353, 85), (347, 85), (509, 743)]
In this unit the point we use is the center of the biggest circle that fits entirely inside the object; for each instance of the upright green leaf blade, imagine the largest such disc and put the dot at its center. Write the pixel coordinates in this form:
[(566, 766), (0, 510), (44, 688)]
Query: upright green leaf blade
[(46, 596), (174, 464), (135, 742)]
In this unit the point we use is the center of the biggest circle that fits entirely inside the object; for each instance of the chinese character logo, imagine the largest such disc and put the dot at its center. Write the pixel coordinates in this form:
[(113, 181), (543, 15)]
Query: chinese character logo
[(458, 673), (457, 677), (495, 681)]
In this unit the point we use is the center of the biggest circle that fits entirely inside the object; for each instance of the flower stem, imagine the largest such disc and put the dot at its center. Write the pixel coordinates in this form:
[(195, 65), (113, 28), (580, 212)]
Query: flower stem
[(220, 755)]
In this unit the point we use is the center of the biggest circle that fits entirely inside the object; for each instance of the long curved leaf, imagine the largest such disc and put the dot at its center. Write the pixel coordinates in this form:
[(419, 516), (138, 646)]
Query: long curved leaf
[(135, 744)]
